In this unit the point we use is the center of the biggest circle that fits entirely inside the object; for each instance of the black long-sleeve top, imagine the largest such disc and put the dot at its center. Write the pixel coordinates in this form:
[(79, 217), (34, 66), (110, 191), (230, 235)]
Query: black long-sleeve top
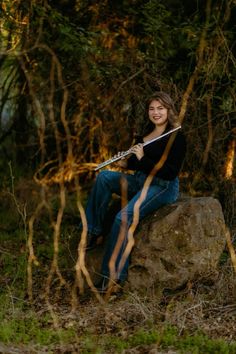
[(153, 153)]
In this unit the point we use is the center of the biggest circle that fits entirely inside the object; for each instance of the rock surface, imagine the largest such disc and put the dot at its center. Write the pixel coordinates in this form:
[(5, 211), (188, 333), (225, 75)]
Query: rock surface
[(177, 244)]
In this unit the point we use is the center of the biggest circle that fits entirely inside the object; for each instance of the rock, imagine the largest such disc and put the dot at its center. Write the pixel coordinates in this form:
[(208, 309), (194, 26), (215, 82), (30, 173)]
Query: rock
[(177, 244)]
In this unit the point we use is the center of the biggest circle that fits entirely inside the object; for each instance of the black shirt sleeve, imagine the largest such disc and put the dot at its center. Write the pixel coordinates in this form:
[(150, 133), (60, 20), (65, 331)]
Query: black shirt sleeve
[(153, 153)]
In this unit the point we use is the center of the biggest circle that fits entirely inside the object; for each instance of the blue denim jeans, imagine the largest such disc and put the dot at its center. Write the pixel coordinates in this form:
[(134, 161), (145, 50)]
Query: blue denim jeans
[(159, 193)]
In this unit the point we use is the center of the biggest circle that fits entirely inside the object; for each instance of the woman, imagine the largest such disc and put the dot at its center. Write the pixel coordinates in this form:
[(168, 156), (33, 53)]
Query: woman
[(164, 188)]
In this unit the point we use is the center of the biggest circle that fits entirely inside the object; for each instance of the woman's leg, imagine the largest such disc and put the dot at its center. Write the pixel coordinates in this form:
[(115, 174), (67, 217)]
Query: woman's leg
[(158, 194), (106, 183)]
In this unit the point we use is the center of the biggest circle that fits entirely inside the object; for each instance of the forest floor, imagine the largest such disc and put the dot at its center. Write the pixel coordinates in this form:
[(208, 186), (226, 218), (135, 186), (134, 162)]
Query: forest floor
[(199, 318)]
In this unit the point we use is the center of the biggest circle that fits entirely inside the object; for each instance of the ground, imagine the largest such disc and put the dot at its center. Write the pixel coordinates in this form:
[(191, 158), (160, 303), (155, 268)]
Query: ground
[(199, 318)]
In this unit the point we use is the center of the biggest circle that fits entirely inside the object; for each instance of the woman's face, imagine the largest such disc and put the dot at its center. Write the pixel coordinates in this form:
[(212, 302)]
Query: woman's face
[(157, 113)]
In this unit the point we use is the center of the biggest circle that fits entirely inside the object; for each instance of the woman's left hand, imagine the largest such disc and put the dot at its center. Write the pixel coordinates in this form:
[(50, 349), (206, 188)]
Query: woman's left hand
[(138, 151)]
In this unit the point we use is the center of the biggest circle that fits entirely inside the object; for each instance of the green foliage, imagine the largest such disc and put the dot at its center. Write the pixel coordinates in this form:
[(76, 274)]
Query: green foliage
[(14, 269), (13, 261), (164, 340), (18, 326), (156, 23), (144, 338), (70, 39), (102, 48), (112, 55)]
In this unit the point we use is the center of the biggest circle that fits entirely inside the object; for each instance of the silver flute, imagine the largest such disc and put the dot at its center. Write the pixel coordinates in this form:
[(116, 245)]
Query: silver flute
[(128, 152)]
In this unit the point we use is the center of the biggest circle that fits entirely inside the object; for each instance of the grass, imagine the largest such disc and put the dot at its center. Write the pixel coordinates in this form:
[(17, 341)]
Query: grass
[(163, 340), (160, 340), (21, 324)]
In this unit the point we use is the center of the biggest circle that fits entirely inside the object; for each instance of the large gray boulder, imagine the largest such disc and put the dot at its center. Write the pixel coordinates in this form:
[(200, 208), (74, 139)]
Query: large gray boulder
[(177, 244)]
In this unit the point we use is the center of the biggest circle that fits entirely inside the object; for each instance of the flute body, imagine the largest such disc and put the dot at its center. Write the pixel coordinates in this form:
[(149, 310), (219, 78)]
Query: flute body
[(128, 152)]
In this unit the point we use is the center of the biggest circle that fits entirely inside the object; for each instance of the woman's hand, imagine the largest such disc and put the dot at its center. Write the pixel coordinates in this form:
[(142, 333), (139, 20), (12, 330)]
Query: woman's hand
[(138, 151)]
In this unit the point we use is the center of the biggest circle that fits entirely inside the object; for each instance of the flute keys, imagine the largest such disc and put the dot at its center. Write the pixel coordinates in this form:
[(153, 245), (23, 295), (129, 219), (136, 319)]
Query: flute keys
[(121, 153)]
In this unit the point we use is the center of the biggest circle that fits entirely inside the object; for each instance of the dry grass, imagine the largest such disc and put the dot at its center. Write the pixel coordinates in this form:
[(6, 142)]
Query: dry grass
[(206, 306)]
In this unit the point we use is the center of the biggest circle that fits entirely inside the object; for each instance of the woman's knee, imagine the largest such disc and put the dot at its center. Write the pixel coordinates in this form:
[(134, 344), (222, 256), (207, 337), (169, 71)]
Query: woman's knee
[(105, 175), (102, 174), (110, 179), (118, 218), (123, 218)]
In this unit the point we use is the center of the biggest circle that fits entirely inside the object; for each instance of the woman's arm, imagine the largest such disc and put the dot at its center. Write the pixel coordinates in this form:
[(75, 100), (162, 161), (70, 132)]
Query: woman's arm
[(172, 164)]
